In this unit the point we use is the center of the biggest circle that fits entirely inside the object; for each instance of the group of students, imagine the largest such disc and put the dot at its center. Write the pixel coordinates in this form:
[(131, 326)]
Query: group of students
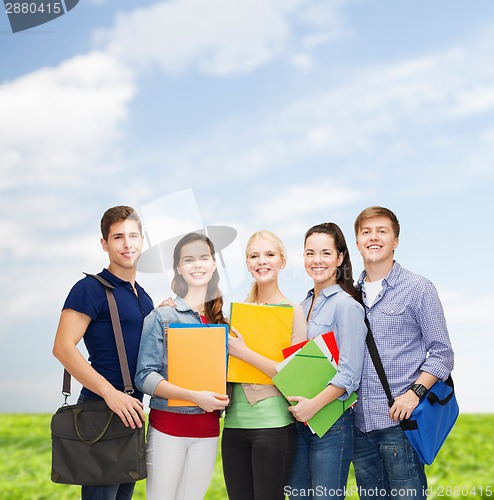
[(268, 452)]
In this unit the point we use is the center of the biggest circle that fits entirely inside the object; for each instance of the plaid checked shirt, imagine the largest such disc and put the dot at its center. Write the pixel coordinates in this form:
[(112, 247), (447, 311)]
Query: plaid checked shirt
[(408, 324)]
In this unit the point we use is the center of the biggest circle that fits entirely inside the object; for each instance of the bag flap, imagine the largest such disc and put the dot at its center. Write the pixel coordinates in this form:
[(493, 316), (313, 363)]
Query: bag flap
[(88, 422)]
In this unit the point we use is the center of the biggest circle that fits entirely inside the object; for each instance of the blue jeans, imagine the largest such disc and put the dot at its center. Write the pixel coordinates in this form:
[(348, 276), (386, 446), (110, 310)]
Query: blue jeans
[(108, 492), (387, 466), (321, 465)]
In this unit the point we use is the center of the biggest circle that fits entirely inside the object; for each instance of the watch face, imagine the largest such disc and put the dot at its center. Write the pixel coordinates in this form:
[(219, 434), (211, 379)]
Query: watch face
[(419, 390)]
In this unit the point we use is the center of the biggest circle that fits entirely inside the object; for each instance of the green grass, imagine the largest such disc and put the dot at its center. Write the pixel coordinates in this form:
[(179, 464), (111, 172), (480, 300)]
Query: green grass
[(464, 467)]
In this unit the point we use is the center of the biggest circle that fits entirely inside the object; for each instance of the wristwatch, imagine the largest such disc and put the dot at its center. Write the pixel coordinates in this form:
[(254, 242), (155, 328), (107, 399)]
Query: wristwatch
[(419, 389)]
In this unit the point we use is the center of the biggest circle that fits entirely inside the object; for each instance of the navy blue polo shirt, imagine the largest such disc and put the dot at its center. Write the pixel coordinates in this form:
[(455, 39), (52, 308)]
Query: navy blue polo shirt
[(88, 296)]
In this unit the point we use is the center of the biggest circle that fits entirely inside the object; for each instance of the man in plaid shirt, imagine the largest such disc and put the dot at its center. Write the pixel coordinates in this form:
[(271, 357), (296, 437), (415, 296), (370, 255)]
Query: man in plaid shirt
[(408, 324)]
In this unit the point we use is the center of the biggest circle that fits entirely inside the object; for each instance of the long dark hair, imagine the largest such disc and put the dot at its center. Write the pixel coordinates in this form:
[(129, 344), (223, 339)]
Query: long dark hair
[(344, 273), (214, 300)]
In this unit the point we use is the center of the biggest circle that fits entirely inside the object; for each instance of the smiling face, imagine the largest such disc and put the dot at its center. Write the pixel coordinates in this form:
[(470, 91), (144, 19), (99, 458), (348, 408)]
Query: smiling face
[(321, 259), (196, 264), (376, 241), (264, 260), (124, 245)]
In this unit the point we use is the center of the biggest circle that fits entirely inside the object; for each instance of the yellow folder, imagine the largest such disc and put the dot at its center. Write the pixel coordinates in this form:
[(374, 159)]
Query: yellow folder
[(197, 358), (267, 329)]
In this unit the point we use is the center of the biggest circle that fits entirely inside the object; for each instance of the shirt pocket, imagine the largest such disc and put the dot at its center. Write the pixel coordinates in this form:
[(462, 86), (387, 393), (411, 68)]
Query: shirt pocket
[(318, 327), (395, 322), (393, 309)]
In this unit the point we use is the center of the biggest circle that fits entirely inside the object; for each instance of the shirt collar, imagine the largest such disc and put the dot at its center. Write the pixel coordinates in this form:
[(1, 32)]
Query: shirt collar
[(327, 292), (116, 281), (390, 279), (182, 306)]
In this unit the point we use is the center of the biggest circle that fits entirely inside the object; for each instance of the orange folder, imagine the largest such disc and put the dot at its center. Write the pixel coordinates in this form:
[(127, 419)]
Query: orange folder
[(197, 358), (266, 329)]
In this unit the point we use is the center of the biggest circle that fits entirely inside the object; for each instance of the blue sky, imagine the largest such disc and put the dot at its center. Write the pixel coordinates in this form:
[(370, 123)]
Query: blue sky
[(275, 114)]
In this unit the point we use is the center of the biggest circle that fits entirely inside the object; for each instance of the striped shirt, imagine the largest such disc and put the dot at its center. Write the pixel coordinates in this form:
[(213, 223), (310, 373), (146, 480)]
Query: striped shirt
[(408, 324)]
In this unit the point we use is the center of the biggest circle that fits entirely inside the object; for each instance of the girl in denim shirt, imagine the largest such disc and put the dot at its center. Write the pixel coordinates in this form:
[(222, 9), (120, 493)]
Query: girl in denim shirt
[(182, 441), (322, 464)]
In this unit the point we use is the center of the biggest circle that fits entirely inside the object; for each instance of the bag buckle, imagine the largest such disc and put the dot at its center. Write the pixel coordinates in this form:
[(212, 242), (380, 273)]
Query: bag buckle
[(66, 395)]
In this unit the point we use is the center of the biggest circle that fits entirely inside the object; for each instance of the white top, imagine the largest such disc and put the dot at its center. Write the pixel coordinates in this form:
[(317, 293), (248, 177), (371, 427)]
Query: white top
[(372, 289)]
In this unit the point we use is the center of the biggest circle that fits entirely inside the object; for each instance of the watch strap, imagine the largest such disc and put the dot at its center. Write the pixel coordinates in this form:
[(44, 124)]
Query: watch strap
[(419, 389)]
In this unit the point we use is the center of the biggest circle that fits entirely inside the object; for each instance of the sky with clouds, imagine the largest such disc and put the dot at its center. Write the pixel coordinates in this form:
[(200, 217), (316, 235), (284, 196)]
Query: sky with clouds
[(275, 114)]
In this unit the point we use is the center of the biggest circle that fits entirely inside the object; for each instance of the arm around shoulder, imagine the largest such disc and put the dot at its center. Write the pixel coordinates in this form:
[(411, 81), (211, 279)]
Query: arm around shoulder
[(151, 360)]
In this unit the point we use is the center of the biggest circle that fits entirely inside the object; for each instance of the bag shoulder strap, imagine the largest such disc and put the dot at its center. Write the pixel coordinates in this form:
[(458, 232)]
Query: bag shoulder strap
[(376, 359), (406, 424), (102, 280), (117, 331)]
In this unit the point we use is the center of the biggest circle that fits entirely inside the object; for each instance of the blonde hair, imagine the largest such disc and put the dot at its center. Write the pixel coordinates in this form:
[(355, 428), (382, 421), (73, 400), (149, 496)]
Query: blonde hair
[(273, 238)]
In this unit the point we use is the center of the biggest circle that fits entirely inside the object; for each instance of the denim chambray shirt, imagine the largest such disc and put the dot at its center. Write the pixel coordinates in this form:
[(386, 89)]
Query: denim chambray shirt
[(335, 310), (152, 360)]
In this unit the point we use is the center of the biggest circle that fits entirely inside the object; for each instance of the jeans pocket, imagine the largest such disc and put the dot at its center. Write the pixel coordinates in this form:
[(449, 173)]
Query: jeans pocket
[(399, 462), (344, 422)]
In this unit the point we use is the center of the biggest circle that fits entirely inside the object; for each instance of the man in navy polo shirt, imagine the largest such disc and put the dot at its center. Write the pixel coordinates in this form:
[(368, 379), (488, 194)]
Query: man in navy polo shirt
[(86, 315)]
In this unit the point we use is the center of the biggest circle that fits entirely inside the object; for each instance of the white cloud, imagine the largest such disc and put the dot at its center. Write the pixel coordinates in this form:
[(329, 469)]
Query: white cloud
[(465, 309), (57, 121), (59, 126), (220, 36), (294, 201), (488, 136), (394, 115), (474, 100), (334, 123), (302, 61)]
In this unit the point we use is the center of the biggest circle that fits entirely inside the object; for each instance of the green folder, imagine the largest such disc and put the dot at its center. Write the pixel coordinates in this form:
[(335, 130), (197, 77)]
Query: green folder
[(307, 374)]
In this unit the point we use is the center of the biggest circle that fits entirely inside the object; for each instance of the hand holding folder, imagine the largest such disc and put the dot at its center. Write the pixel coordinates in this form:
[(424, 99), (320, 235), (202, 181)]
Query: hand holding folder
[(306, 374), (266, 329), (197, 357)]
